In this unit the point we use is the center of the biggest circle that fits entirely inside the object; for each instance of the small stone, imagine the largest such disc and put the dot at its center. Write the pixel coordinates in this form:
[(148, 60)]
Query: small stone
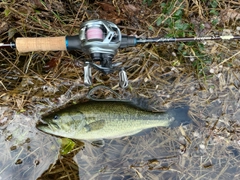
[(192, 58), (146, 79), (211, 90), (211, 70), (202, 146), (196, 134), (174, 54), (192, 88), (219, 75)]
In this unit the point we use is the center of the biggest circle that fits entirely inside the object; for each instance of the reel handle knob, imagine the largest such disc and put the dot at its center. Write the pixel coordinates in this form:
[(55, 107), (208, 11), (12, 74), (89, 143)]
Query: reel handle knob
[(87, 74), (123, 80)]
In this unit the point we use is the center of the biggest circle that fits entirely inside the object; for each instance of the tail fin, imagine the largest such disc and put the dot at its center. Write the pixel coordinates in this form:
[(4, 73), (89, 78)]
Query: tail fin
[(180, 115)]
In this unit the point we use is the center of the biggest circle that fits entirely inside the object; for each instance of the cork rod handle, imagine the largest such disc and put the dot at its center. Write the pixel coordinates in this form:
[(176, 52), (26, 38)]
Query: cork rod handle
[(41, 44)]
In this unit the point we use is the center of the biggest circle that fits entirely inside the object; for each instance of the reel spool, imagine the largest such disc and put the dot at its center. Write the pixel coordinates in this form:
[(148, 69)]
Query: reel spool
[(101, 39)]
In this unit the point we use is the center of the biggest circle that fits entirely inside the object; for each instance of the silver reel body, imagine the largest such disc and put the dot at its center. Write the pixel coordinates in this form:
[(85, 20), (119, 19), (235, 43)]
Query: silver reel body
[(101, 39)]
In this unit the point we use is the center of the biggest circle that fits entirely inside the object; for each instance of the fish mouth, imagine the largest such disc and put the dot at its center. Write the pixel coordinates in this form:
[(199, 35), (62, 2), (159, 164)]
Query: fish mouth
[(42, 126), (47, 127)]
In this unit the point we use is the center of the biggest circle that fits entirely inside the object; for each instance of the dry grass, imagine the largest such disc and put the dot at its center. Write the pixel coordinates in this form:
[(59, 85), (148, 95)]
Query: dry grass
[(205, 77)]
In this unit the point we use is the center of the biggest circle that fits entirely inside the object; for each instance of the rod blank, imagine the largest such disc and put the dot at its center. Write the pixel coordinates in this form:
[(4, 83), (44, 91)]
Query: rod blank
[(185, 39)]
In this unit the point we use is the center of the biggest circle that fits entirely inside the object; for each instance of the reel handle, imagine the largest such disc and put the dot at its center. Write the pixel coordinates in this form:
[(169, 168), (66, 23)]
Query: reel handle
[(61, 43)]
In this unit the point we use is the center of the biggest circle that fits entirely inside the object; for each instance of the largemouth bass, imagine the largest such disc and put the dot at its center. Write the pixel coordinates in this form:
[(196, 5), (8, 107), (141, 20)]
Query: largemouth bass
[(106, 120)]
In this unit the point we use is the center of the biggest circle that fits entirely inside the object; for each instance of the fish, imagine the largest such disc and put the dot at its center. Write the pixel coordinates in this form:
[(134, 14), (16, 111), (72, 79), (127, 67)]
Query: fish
[(98, 120)]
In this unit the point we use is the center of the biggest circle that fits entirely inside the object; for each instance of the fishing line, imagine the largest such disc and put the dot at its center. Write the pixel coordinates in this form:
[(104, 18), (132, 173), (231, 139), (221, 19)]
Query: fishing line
[(91, 92)]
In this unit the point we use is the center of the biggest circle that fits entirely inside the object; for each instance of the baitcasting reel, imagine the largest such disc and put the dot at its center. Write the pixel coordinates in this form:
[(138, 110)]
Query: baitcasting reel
[(100, 39)]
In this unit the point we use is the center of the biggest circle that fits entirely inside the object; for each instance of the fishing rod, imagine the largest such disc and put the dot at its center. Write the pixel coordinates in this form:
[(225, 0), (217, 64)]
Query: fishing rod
[(101, 39)]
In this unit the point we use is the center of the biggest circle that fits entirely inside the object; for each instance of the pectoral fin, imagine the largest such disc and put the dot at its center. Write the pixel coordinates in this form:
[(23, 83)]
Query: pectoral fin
[(95, 125), (98, 143)]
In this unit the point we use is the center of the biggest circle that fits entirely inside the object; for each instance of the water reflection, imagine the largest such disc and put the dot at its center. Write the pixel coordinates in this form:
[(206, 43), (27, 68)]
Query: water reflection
[(25, 152), (152, 154), (209, 150), (65, 167), (159, 153)]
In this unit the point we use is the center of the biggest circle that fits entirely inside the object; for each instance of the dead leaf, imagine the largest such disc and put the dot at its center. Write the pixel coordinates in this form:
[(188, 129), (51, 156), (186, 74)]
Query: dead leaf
[(107, 7), (229, 14), (37, 4), (4, 27), (118, 20), (131, 7), (109, 12)]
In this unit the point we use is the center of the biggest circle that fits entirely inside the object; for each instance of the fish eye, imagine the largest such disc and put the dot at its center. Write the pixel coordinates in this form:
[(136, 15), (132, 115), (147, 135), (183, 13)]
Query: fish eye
[(55, 117)]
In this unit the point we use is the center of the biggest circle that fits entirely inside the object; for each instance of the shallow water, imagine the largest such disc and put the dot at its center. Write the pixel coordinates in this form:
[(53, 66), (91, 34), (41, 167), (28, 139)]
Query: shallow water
[(207, 149), (25, 152), (158, 153)]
